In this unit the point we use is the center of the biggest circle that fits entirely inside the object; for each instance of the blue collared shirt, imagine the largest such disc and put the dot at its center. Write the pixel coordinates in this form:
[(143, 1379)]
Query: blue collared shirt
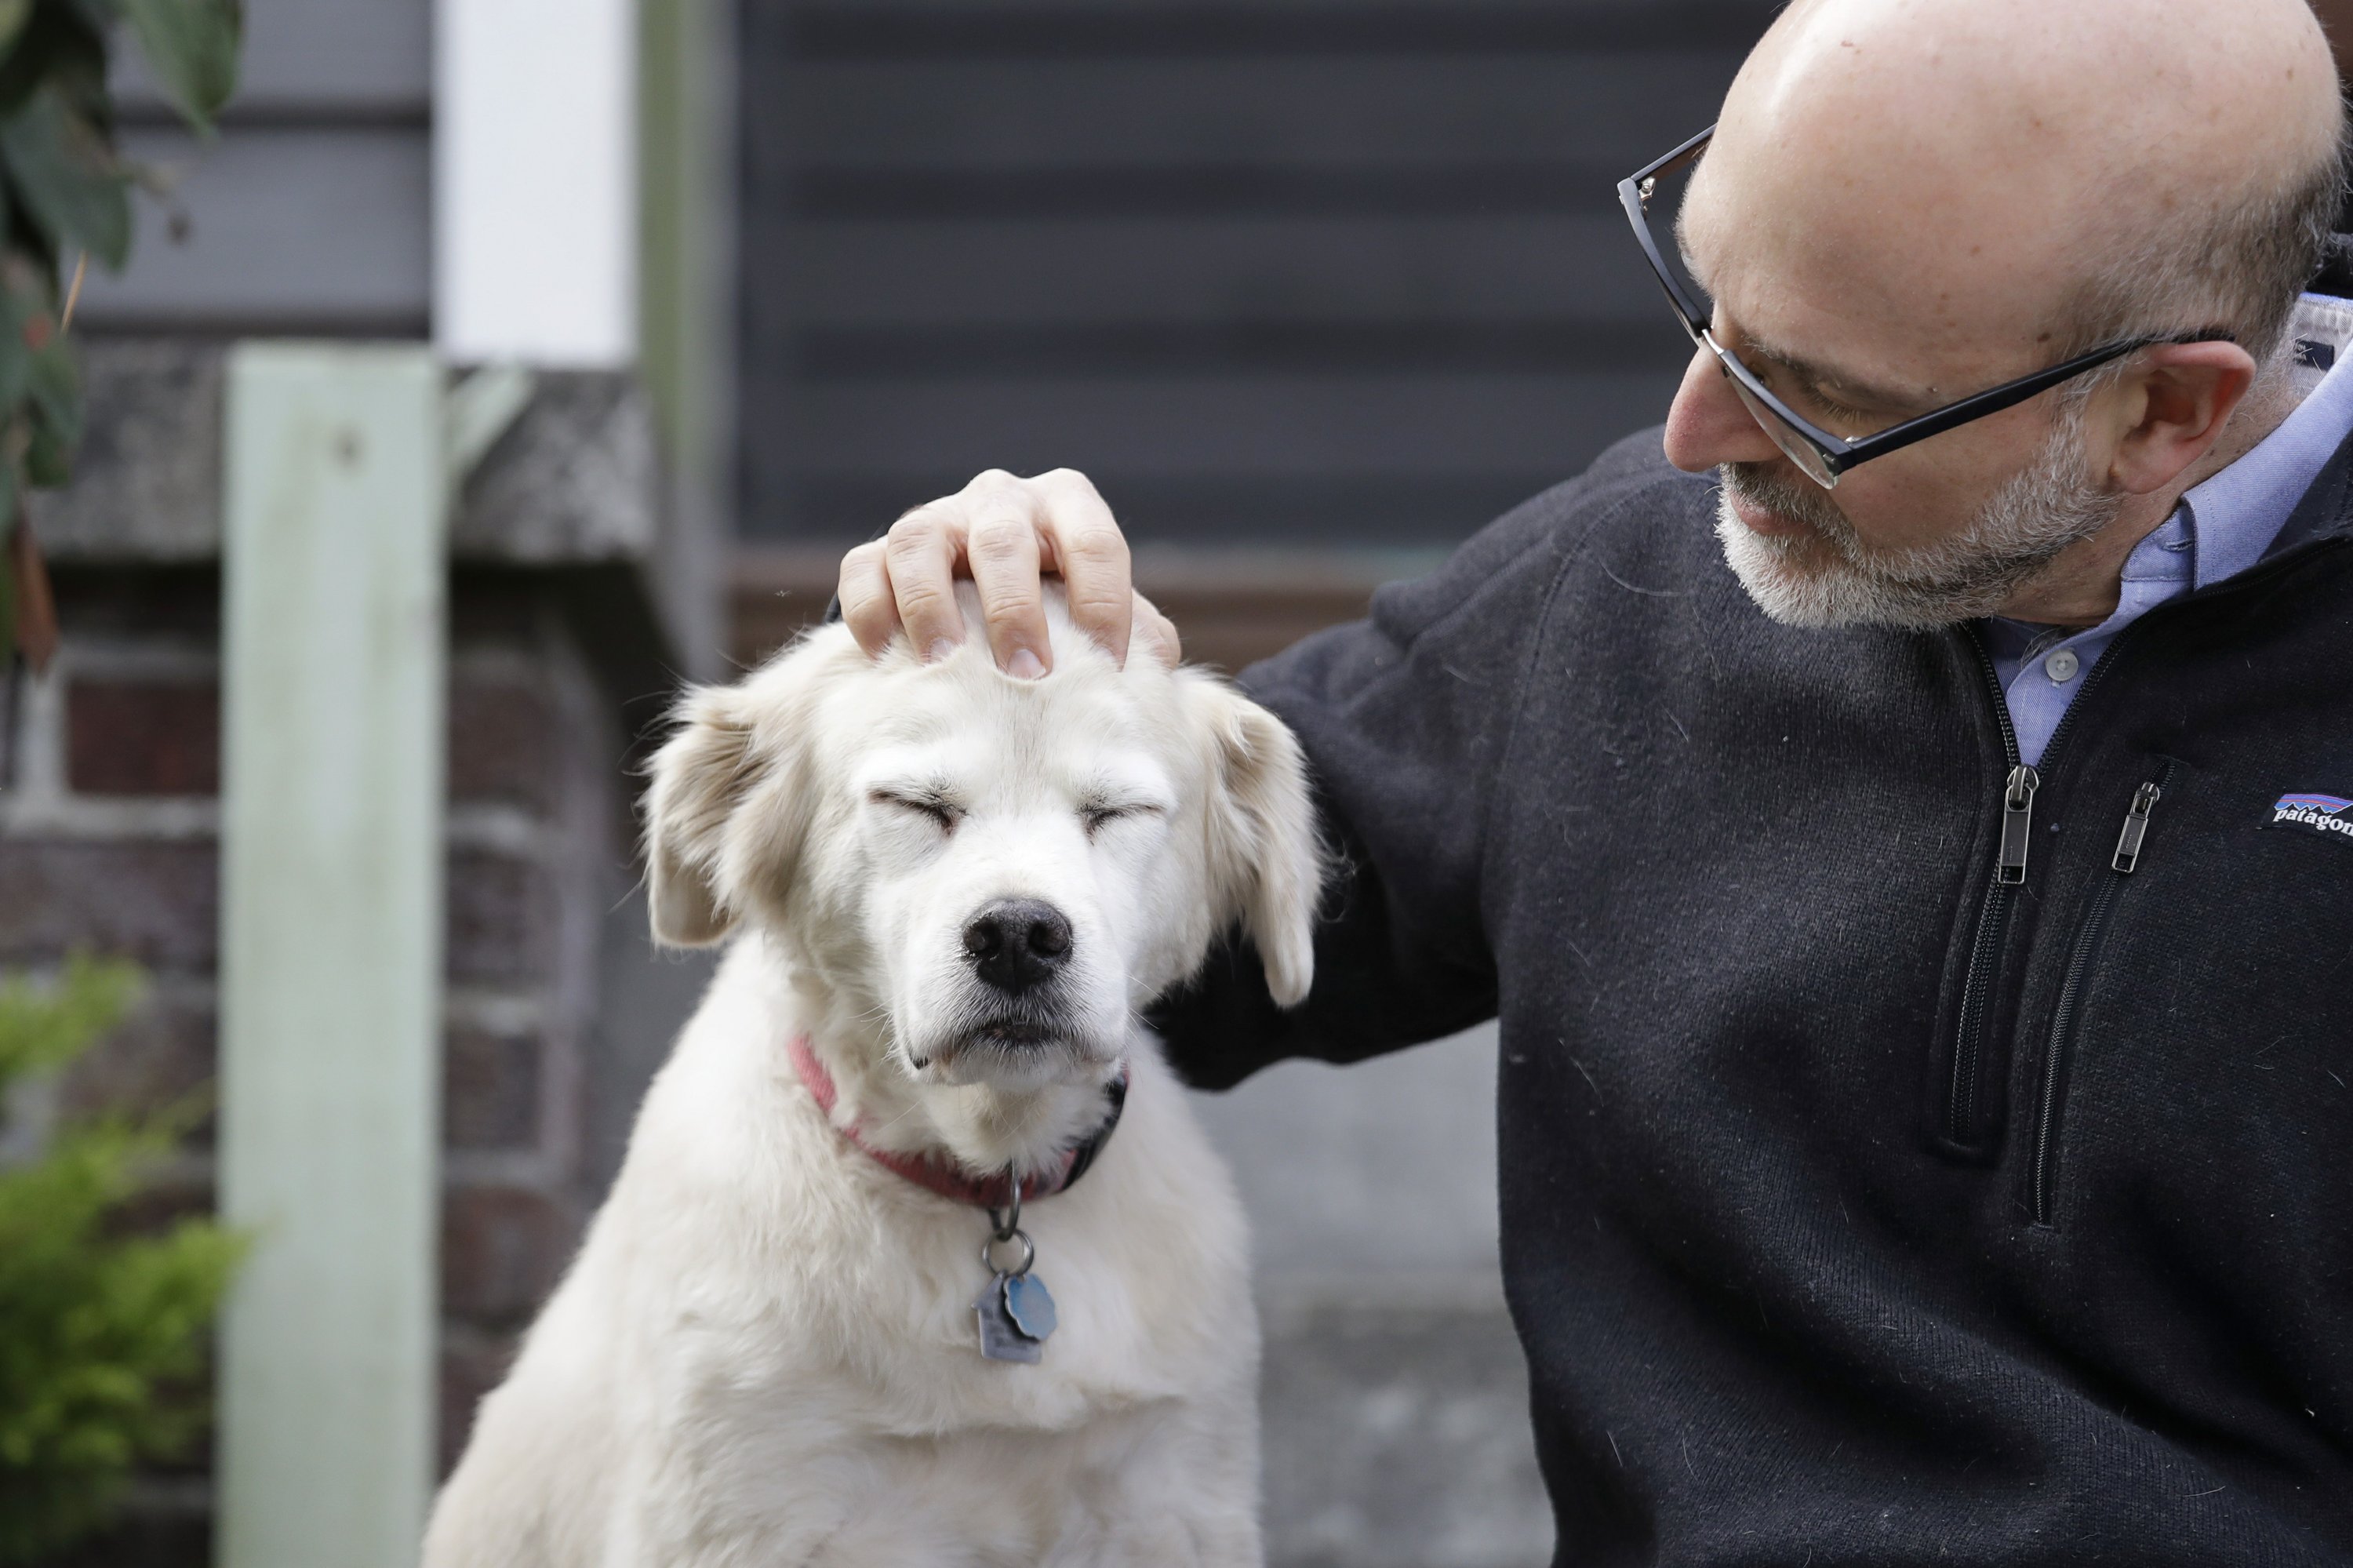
[(2222, 527)]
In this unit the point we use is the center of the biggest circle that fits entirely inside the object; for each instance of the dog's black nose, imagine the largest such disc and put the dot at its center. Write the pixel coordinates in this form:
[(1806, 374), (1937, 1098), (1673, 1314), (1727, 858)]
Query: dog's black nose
[(1017, 943)]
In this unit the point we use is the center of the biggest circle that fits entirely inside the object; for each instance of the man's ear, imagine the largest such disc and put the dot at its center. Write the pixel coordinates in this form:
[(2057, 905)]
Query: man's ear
[(699, 777), (2179, 405), (1265, 863)]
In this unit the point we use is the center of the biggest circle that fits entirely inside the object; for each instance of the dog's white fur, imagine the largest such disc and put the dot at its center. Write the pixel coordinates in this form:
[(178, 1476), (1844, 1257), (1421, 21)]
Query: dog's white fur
[(766, 1353)]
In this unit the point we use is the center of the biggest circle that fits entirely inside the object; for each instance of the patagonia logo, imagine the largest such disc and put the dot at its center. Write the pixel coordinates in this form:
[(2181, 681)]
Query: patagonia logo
[(2328, 814)]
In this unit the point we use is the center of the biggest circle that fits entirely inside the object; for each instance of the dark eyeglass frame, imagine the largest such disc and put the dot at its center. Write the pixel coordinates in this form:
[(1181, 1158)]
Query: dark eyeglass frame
[(1831, 455)]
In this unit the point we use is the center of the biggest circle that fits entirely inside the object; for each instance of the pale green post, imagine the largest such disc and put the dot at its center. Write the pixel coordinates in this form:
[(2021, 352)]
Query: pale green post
[(334, 571)]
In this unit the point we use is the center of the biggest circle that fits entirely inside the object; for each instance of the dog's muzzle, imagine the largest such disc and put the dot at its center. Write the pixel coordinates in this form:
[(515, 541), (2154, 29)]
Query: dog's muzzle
[(1022, 1002)]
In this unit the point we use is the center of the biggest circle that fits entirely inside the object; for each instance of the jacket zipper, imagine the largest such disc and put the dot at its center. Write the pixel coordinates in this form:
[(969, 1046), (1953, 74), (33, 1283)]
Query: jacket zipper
[(2019, 784), (2079, 964), (2017, 824), (1961, 1117)]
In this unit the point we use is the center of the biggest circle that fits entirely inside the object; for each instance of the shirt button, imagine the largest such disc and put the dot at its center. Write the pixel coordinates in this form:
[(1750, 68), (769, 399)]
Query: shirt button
[(2061, 666)]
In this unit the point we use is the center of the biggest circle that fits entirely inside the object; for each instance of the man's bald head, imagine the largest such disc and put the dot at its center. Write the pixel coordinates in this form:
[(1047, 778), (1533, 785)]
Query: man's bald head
[(2012, 179), (1910, 201)]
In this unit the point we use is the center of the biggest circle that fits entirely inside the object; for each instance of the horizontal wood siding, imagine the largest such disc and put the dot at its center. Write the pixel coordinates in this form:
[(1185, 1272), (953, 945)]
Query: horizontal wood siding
[(310, 211), (1301, 272)]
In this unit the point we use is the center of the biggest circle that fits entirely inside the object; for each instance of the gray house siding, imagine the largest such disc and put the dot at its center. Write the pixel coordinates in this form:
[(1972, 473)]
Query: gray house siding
[(312, 211), (1293, 273)]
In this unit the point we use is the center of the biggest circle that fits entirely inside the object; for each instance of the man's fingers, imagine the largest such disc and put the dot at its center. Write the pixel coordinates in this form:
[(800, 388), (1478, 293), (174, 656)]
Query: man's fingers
[(1004, 532), (1002, 547), (921, 554), (867, 608), (1093, 556)]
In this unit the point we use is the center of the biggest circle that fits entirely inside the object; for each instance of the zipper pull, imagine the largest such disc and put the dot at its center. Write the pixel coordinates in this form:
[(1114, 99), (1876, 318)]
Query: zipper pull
[(2136, 828), (2017, 823)]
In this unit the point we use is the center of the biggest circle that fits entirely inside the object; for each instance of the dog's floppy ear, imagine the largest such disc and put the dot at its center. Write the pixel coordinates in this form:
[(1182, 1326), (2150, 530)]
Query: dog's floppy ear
[(699, 777), (1266, 866)]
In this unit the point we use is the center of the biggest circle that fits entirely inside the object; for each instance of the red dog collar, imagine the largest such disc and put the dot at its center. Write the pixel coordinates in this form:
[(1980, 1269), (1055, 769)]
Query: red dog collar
[(937, 1173)]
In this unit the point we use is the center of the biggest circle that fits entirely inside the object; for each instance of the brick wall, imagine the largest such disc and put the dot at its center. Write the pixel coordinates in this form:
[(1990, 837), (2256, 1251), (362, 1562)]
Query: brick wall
[(108, 842)]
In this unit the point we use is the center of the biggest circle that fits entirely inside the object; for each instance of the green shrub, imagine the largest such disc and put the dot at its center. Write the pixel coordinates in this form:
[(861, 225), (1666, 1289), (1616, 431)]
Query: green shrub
[(103, 1336)]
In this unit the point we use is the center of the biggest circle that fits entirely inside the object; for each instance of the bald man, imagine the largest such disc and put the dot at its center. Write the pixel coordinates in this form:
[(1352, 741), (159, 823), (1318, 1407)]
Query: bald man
[(1901, 812)]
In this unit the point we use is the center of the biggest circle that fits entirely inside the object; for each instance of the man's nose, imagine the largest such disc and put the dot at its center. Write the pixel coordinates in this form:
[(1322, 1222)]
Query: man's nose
[(1708, 426), (1017, 943)]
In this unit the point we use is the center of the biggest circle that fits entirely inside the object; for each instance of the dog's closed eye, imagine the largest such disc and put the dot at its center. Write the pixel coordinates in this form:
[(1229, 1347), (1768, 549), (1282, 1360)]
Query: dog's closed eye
[(1098, 813), (941, 810)]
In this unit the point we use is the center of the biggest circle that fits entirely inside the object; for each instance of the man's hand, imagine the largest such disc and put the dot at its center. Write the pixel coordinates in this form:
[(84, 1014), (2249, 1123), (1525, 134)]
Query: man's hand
[(1005, 534)]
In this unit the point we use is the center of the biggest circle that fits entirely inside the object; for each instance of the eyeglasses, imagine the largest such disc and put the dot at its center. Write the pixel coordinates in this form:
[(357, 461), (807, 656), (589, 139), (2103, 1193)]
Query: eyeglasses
[(1822, 457)]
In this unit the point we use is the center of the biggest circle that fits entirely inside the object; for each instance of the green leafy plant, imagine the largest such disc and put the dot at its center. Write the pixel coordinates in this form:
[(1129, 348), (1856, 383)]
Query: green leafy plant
[(102, 1334), (65, 194)]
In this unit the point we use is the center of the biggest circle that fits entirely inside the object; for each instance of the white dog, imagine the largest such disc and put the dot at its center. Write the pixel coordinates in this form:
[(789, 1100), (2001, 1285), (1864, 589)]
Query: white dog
[(951, 891)]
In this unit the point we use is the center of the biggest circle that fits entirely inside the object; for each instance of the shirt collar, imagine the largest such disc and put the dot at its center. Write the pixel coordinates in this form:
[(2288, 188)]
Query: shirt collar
[(2224, 525), (2229, 521)]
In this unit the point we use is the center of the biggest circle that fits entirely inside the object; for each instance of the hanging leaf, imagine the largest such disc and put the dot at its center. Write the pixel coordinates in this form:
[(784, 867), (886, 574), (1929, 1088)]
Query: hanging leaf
[(26, 325), (55, 385), (49, 459), (64, 187), (13, 14), (68, 176), (192, 47), (62, 45), (99, 14)]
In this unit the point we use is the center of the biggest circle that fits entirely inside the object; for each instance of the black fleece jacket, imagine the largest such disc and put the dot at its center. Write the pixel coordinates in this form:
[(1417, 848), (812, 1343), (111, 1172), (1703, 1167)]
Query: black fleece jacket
[(1859, 1208)]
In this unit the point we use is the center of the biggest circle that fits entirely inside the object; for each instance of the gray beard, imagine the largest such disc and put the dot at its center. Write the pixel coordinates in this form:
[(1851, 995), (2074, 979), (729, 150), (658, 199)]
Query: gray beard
[(1828, 577)]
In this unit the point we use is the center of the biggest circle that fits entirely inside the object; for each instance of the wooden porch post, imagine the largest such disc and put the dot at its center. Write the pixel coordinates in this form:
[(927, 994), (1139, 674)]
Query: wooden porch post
[(334, 585)]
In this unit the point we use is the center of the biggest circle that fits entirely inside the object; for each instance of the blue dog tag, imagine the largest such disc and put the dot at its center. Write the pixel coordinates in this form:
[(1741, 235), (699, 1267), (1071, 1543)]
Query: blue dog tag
[(1001, 1339), (1028, 1304)]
